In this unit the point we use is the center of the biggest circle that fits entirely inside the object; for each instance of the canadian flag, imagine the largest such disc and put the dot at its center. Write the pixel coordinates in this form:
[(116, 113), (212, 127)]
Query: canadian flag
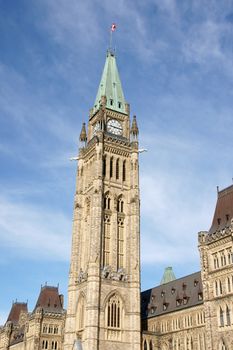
[(113, 27)]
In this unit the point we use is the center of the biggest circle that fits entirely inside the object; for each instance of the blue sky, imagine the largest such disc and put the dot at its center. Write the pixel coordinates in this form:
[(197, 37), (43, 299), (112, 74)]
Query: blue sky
[(176, 65)]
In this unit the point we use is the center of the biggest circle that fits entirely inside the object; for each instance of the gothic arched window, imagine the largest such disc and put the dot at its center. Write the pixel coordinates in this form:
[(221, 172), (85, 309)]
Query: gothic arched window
[(114, 312), (120, 205), (107, 201), (145, 345), (151, 345)]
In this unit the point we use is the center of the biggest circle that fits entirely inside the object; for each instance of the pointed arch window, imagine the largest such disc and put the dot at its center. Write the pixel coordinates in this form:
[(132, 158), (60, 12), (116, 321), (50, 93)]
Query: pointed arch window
[(145, 345), (107, 201), (151, 345), (114, 312), (120, 205)]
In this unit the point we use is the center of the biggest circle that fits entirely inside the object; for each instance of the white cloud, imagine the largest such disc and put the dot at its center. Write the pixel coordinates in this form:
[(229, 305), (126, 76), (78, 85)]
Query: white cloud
[(34, 231)]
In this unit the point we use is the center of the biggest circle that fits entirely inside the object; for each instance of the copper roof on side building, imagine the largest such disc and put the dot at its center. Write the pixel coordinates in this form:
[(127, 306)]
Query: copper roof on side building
[(223, 210), (50, 300), (173, 296), (15, 312)]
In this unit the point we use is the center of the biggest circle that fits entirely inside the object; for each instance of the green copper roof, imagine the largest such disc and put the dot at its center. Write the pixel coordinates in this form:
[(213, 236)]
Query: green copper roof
[(110, 86), (168, 275)]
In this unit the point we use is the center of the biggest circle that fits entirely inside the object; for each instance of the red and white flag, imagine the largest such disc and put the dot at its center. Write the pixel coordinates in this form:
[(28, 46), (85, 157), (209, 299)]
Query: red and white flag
[(113, 27)]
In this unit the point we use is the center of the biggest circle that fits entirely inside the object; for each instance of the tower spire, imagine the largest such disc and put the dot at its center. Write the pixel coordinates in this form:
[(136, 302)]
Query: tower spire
[(110, 87)]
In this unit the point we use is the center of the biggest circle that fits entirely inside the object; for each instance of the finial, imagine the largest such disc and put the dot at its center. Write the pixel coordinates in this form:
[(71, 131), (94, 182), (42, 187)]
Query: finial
[(83, 136), (134, 130)]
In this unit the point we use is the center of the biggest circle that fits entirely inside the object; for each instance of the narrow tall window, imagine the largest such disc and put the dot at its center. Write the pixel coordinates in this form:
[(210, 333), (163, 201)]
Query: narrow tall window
[(124, 171), (145, 345), (54, 345), (120, 205), (114, 312), (107, 202), (229, 284), (81, 313), (221, 317), (120, 244), (220, 287), (228, 316), (45, 344), (151, 345), (104, 166), (106, 241), (117, 169), (111, 167)]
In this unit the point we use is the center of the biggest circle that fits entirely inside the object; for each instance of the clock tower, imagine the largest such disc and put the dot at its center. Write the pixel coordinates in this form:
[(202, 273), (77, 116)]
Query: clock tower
[(104, 282)]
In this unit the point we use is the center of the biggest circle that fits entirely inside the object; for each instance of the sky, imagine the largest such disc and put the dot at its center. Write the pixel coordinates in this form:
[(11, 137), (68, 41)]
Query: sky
[(175, 60)]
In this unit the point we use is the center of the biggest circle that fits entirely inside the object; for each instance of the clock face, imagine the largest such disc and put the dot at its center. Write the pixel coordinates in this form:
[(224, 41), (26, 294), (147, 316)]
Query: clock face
[(114, 127)]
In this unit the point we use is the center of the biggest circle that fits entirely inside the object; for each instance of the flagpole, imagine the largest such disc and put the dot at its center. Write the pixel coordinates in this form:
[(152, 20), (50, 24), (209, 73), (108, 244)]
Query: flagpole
[(110, 43), (112, 29)]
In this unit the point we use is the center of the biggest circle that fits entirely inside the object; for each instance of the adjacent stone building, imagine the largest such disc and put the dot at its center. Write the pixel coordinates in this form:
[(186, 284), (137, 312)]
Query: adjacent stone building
[(105, 308), (43, 328)]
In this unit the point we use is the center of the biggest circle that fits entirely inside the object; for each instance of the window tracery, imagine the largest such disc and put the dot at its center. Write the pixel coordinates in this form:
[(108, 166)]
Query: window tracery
[(120, 244), (106, 241), (114, 312)]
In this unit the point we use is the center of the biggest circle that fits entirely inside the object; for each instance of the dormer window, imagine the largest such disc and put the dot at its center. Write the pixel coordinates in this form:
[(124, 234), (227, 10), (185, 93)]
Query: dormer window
[(111, 102), (119, 104)]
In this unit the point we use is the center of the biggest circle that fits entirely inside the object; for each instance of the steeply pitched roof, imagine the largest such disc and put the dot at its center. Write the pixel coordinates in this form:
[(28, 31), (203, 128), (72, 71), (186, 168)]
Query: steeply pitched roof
[(224, 210), (110, 86), (50, 300), (176, 295), (16, 309), (168, 275)]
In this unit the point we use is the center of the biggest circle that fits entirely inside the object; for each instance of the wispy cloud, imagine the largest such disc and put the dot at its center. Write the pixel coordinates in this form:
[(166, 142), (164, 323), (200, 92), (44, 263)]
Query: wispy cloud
[(34, 231)]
